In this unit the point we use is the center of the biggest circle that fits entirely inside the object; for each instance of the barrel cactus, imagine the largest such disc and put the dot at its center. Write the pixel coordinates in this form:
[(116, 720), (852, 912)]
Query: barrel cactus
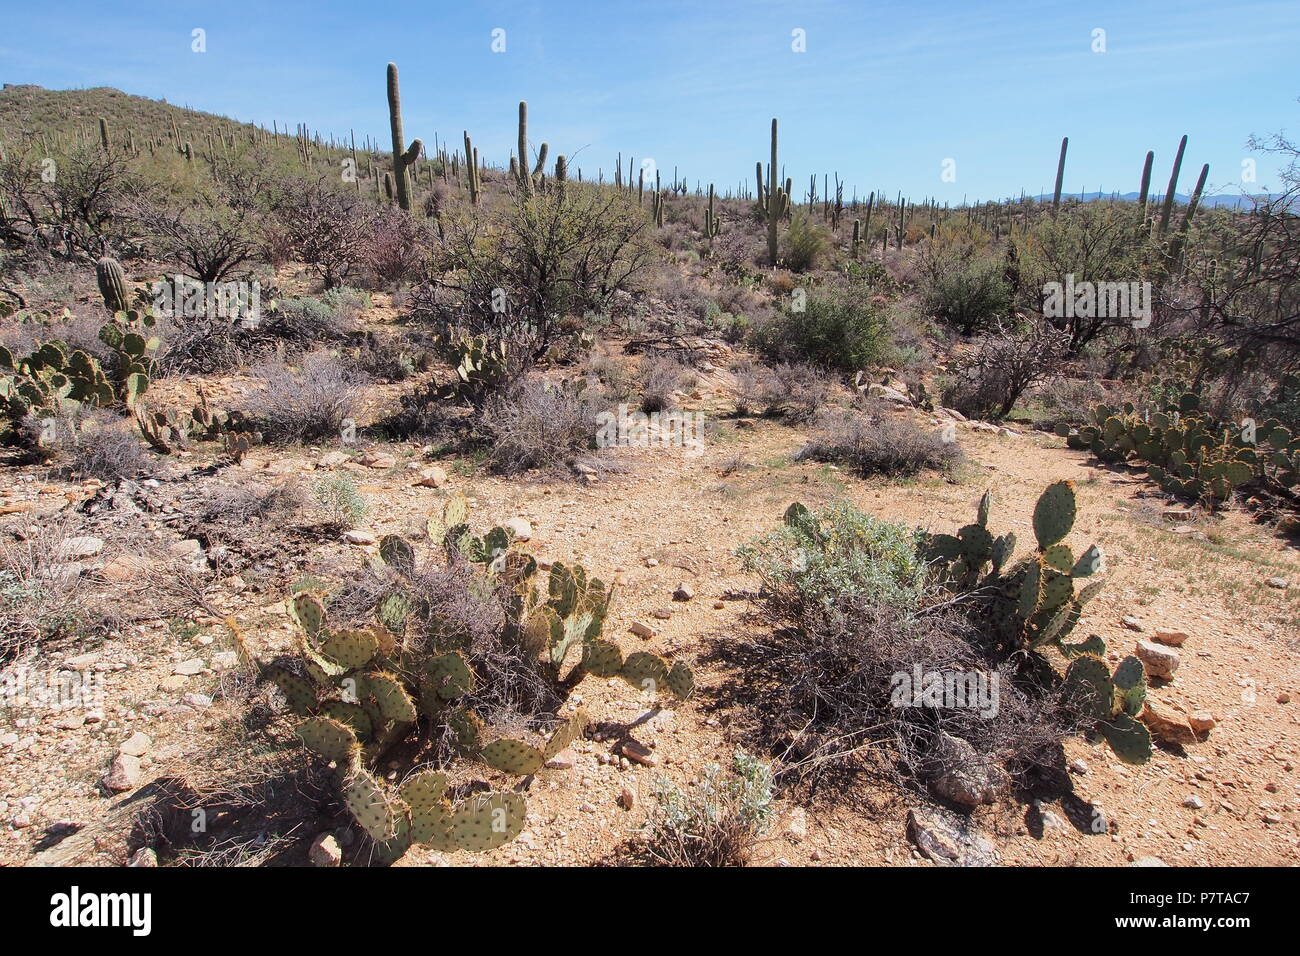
[(112, 284)]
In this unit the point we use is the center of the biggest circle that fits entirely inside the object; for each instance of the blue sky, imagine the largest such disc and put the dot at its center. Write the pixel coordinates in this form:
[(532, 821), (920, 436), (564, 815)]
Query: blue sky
[(885, 92)]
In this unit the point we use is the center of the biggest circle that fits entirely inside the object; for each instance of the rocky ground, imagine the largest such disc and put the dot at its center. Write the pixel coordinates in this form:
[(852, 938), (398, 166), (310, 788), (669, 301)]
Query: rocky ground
[(1210, 599)]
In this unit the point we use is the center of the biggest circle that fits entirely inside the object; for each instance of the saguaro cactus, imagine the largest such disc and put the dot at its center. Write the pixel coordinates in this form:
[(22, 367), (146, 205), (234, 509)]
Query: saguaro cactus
[(1168, 208), (471, 169), (775, 199), (1146, 182), (112, 284), (1060, 173), (402, 157), (103, 134)]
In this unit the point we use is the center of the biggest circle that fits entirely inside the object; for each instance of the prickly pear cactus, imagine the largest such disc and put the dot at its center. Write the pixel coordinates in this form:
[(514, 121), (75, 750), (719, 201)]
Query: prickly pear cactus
[(362, 692), (1112, 701)]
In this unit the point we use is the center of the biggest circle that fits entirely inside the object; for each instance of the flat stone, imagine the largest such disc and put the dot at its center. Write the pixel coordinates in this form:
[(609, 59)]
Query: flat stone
[(84, 546), (1280, 583), (432, 477), (564, 760), (124, 774), (1172, 638), (684, 592), (962, 774), (520, 527), (325, 851), (949, 839), (1158, 660), (642, 630), (360, 538), (637, 753), (137, 745), (195, 665)]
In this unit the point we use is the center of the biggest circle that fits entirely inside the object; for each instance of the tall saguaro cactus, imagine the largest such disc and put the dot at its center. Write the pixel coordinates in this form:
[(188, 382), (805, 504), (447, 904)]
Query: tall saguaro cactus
[(1168, 208), (1146, 182), (471, 170), (775, 200), (521, 170), (1060, 174), (402, 156)]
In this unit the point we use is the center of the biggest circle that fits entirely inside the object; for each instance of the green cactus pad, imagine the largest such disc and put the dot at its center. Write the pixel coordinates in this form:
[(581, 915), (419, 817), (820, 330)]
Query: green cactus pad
[(1130, 685), (353, 715), (487, 820), (389, 696), (1059, 557), (976, 542), (450, 675), (374, 809), (1129, 738), (1057, 589), (1054, 513), (563, 735), (602, 658), (333, 740), (982, 512), (306, 608), (350, 649), (467, 728), (1089, 687), (1090, 562), (645, 671), (512, 756), (397, 553), (1092, 646), (298, 692), (681, 681), (1090, 590)]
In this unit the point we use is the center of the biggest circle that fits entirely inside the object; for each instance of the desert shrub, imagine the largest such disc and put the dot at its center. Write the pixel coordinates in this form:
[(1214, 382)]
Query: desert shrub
[(879, 445), (858, 610), (308, 322), (388, 358), (805, 243), (321, 225), (840, 332), (42, 596), (307, 405), (339, 502), (105, 447), (554, 253), (538, 425), (661, 377), (207, 234), (717, 821), (398, 246), (618, 380), (796, 391), (81, 213), (971, 294), (753, 384), (859, 555), (237, 506), (1006, 363)]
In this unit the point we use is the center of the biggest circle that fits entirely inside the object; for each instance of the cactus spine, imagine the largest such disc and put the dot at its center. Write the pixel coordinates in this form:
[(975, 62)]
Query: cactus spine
[(402, 156)]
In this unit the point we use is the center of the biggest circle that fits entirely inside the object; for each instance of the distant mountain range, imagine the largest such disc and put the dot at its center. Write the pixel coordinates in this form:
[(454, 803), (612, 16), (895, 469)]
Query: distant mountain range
[(1228, 200)]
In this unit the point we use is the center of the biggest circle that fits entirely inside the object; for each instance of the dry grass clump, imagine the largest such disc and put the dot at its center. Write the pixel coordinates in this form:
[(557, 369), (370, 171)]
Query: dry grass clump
[(536, 425), (309, 404), (716, 822), (878, 445)]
